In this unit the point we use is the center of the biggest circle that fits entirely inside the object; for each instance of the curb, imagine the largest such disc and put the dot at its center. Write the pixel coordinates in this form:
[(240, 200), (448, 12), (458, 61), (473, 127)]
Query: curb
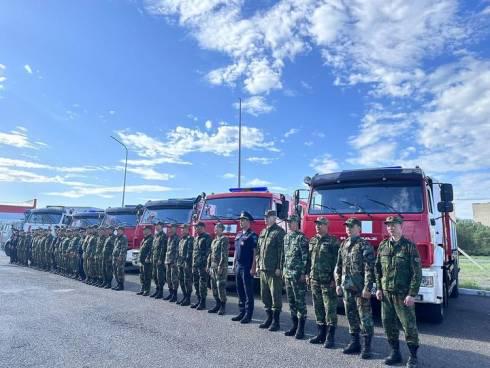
[(474, 292)]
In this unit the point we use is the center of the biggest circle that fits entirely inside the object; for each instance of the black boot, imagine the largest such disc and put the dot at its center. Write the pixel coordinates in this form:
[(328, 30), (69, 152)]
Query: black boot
[(330, 341), (239, 317), (154, 294), (195, 305), (121, 286), (159, 293), (320, 337), (292, 330), (222, 309), (275, 321), (366, 349), (354, 346), (179, 302), (146, 293), (140, 292), (108, 285), (412, 359), (300, 332), (202, 304), (246, 319), (216, 307), (169, 296), (187, 300), (395, 357), (268, 321), (173, 299)]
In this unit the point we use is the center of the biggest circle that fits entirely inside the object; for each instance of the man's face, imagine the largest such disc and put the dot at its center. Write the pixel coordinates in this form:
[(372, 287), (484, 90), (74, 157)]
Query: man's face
[(199, 229), (171, 231), (394, 229), (321, 229), (244, 223), (353, 230), (120, 232), (218, 230), (270, 220), (293, 225), (185, 231), (158, 227), (146, 232)]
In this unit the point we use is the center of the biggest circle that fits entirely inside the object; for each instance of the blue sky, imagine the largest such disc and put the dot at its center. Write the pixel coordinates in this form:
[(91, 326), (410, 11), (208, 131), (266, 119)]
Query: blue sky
[(326, 85)]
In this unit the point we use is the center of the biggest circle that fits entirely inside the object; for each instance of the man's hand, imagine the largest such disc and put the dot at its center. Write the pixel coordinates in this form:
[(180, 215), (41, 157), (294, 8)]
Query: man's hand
[(278, 273), (339, 290), (379, 295), (366, 294), (409, 301)]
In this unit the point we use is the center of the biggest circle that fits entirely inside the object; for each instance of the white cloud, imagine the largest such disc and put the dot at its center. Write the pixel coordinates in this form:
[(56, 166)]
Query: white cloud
[(181, 141), (290, 132), (258, 183), (324, 164), (148, 173), (255, 105), (229, 176), (3, 78), (18, 138), (261, 160), (109, 192), (208, 124), (28, 68)]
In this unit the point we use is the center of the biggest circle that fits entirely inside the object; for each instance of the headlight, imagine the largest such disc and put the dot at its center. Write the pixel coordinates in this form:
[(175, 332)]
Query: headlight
[(427, 281)]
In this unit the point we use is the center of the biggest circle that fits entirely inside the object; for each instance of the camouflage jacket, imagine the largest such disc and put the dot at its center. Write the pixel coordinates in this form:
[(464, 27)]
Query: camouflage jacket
[(172, 249), (91, 246), (73, 247), (99, 248), (270, 249), (324, 251), (185, 251), (120, 247), (108, 247), (145, 249), (65, 246), (159, 247), (200, 250), (296, 254), (398, 267), (355, 265), (218, 257)]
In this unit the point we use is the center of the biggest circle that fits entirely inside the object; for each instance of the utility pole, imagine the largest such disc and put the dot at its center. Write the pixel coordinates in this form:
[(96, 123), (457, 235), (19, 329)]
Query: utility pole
[(125, 168), (240, 143)]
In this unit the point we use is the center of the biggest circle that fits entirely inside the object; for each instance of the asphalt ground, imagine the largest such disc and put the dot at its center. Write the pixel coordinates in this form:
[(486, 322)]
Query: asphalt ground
[(47, 320)]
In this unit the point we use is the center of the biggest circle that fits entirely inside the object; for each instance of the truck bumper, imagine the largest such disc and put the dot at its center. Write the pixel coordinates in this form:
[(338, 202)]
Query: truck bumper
[(431, 288), (130, 257)]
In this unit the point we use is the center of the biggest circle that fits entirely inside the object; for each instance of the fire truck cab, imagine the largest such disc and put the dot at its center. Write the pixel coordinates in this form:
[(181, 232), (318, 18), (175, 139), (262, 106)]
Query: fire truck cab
[(226, 208), (373, 194)]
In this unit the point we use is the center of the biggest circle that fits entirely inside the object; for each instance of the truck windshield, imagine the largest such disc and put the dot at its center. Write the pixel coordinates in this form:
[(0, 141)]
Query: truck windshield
[(169, 215), (231, 207), (114, 219), (44, 218), (399, 197), (85, 221)]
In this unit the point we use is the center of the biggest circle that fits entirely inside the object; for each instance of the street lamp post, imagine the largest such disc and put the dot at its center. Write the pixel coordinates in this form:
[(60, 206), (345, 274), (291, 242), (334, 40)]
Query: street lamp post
[(240, 144), (125, 167)]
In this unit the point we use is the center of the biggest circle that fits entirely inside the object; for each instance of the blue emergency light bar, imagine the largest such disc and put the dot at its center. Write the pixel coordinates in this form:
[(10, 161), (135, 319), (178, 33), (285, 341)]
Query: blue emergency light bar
[(253, 189)]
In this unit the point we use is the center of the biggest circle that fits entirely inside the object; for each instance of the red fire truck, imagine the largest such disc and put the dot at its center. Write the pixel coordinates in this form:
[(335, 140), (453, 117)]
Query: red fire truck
[(171, 211), (127, 216), (373, 194), (226, 208)]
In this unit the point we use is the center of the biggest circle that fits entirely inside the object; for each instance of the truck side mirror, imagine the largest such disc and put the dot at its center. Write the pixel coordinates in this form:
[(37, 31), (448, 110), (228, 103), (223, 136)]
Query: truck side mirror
[(299, 210), (296, 197), (284, 210), (446, 193), (194, 217), (445, 207)]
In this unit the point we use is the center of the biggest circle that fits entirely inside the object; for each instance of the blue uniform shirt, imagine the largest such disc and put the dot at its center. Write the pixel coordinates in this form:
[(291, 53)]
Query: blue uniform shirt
[(245, 243)]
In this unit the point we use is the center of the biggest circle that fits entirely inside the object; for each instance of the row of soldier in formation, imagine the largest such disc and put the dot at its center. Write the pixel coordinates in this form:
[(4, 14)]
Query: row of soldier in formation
[(331, 268)]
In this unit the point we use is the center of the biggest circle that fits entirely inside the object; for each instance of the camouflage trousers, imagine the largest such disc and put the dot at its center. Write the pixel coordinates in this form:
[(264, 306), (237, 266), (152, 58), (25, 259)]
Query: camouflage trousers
[(145, 276), (107, 271), (74, 263), (159, 275), (172, 276), (85, 265), (324, 302), (271, 290), (185, 279), (118, 268), (296, 291), (395, 313), (218, 284), (359, 313), (200, 278)]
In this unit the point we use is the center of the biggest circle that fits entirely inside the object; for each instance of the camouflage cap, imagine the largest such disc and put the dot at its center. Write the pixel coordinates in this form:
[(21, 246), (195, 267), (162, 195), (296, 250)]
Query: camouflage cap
[(120, 227), (200, 224), (352, 221), (185, 226), (173, 225), (270, 213), (293, 218), (220, 225), (321, 220), (245, 215), (393, 220), (148, 227), (160, 222)]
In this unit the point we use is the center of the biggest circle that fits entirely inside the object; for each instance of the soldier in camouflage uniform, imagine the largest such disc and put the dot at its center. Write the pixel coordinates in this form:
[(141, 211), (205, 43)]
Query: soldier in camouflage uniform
[(218, 268), (29, 247), (354, 278), (107, 257), (171, 263), (158, 252), (184, 262), (99, 258), (73, 254), (145, 261), (398, 277), (200, 253), (296, 256), (119, 257), (65, 250), (85, 250), (90, 251), (324, 250)]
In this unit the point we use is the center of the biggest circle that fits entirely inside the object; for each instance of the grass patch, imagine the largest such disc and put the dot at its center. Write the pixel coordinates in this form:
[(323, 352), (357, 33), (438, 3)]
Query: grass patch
[(472, 276)]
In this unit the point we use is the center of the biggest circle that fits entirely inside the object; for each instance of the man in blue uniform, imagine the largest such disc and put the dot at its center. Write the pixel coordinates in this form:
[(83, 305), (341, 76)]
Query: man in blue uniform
[(244, 268)]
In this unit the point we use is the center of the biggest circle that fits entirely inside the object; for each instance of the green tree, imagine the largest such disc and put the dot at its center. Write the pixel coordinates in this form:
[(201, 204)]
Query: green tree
[(473, 237)]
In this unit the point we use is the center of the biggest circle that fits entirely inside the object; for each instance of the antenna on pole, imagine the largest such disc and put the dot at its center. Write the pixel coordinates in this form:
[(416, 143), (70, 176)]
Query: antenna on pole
[(239, 143)]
